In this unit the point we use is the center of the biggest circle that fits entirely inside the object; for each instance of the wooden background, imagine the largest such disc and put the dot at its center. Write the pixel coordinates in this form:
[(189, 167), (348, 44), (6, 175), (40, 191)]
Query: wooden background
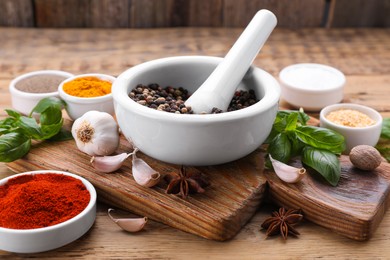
[(195, 13)]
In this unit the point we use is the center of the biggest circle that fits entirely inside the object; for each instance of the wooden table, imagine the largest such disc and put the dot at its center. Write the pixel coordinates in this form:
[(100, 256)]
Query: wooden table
[(362, 54)]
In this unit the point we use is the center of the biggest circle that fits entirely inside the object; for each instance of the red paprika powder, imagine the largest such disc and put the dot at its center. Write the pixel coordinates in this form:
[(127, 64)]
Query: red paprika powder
[(41, 200)]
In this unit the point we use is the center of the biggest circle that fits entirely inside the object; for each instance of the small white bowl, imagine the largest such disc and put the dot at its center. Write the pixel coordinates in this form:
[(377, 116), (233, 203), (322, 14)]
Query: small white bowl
[(48, 238), (78, 106), (311, 86), (354, 136), (23, 101)]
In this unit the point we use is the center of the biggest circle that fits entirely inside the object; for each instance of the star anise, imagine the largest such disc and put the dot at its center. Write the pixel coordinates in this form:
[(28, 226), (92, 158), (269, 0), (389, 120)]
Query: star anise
[(283, 222), (187, 181)]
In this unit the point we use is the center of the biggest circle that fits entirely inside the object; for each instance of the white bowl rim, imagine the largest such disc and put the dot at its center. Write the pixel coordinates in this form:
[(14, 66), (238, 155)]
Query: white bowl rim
[(326, 110), (120, 94), (85, 100), (91, 204), (21, 93), (305, 90)]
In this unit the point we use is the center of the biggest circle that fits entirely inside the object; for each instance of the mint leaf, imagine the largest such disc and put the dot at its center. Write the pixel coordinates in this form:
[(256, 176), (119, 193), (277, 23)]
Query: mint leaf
[(324, 162)]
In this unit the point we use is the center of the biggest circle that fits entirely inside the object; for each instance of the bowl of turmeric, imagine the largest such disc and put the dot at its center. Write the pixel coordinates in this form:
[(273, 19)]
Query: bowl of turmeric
[(44, 210), (86, 92)]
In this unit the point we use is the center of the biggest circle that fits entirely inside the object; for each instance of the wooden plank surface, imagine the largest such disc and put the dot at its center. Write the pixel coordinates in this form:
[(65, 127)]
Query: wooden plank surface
[(18, 13), (290, 13), (359, 13), (235, 192), (207, 13), (362, 54)]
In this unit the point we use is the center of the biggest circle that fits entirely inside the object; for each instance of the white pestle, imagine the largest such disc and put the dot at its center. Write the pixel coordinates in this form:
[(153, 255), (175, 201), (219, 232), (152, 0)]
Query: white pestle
[(220, 86)]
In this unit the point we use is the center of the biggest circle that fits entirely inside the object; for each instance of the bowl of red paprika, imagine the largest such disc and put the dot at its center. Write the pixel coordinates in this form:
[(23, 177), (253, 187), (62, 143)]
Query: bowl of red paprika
[(44, 210)]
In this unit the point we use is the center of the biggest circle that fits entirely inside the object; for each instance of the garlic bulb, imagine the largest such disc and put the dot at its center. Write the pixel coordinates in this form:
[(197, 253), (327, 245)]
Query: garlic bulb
[(96, 133), (286, 172)]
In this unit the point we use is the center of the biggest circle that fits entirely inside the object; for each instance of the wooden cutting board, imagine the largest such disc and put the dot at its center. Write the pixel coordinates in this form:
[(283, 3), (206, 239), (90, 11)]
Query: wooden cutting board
[(354, 208), (235, 192)]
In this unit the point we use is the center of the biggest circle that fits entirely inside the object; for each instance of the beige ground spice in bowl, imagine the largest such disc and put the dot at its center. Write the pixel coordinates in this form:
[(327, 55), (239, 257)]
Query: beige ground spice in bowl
[(350, 117), (358, 124)]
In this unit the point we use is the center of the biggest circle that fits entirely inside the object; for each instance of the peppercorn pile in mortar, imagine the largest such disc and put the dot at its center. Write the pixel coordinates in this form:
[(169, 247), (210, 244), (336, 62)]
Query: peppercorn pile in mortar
[(170, 99)]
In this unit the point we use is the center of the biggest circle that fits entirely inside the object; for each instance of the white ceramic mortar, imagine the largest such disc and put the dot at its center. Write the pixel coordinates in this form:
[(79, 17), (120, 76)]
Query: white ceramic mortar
[(193, 139)]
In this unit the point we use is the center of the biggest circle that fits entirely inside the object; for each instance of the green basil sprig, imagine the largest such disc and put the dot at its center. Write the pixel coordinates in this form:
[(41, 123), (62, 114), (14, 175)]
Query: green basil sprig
[(17, 131), (383, 145), (318, 147)]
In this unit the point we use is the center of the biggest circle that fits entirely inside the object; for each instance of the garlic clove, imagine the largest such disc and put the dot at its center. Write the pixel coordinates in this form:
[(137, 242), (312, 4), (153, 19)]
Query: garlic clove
[(129, 224), (286, 172), (109, 163), (143, 174)]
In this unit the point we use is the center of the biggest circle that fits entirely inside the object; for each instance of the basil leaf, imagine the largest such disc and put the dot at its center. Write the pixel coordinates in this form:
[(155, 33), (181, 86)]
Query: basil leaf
[(9, 121), (46, 103), (6, 125), (385, 152), (296, 144), (321, 138), (386, 128), (280, 148), (62, 135), (279, 123), (30, 127), (303, 118), (324, 162), (13, 146), (271, 136), (49, 131), (13, 113), (51, 115), (383, 146), (291, 121)]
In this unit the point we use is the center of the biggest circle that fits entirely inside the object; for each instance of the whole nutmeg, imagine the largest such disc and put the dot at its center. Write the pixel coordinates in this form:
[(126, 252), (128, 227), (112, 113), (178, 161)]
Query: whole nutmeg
[(365, 157)]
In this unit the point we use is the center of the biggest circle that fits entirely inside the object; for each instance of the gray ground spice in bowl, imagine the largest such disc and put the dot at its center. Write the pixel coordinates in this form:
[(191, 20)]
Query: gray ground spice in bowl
[(40, 83)]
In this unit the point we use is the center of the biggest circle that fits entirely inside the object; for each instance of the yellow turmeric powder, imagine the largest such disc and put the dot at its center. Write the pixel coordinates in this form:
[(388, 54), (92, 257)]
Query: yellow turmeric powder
[(87, 87)]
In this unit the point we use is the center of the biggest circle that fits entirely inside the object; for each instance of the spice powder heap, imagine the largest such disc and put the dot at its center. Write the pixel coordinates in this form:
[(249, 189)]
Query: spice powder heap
[(350, 117), (40, 83), (41, 200), (87, 87)]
